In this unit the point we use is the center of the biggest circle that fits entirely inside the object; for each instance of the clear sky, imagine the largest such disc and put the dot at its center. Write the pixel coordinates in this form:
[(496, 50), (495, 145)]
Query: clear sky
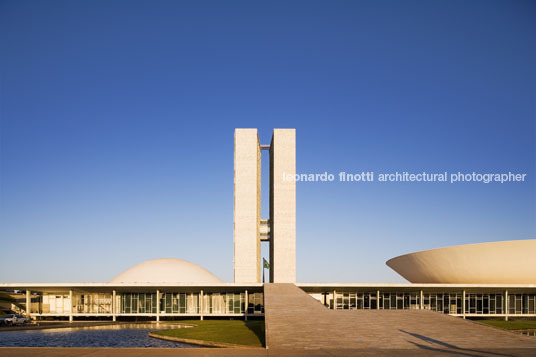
[(117, 122)]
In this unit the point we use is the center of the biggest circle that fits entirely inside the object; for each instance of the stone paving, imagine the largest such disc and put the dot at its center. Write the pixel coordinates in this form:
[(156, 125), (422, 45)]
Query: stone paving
[(294, 320), (232, 352)]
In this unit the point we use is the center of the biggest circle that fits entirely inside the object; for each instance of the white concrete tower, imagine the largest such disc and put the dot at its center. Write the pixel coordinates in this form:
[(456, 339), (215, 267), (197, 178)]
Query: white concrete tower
[(247, 206), (283, 206), (280, 229)]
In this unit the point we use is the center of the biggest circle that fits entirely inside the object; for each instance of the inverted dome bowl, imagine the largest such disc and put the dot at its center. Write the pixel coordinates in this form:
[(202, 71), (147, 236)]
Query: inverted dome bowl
[(508, 262)]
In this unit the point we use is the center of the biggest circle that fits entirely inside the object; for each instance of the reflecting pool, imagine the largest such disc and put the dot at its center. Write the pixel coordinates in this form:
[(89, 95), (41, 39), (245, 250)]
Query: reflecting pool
[(119, 335)]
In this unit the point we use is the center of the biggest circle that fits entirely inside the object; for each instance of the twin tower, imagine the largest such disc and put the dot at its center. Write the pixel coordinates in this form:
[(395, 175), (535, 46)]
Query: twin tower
[(249, 227)]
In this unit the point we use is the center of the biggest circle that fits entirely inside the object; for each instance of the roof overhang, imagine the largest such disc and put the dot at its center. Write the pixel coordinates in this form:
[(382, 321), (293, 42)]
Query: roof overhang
[(131, 287)]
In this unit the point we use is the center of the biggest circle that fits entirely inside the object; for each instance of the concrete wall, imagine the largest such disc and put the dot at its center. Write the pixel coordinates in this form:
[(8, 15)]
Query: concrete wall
[(247, 206), (283, 206)]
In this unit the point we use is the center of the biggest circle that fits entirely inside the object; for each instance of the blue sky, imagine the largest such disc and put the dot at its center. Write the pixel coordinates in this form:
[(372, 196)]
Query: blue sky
[(117, 122)]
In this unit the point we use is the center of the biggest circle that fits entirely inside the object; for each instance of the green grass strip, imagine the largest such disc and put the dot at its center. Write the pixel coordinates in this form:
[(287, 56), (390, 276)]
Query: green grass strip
[(511, 325), (247, 333)]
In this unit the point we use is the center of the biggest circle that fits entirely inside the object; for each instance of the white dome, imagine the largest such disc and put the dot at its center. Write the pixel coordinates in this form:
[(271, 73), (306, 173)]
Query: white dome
[(166, 271)]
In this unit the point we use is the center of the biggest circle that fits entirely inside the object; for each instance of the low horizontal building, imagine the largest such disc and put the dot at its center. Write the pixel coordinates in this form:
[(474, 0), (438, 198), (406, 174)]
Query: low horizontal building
[(155, 288), (173, 288), (464, 300)]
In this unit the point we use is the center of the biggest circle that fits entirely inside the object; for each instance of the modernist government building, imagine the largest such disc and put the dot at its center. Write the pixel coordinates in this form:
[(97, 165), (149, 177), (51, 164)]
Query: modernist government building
[(476, 280)]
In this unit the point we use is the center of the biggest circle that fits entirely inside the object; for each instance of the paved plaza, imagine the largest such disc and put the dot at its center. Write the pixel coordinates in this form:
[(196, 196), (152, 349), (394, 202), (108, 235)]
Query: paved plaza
[(231, 352)]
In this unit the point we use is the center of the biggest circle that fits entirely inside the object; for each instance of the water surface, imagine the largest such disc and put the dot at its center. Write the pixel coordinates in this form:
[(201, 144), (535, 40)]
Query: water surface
[(120, 335)]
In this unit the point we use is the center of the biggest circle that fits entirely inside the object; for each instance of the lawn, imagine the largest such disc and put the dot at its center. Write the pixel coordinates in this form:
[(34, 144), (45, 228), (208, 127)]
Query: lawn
[(249, 333), (511, 325)]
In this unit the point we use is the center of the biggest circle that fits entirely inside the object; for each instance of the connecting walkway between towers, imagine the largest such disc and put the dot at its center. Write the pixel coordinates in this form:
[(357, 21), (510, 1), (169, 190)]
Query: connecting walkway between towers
[(295, 320)]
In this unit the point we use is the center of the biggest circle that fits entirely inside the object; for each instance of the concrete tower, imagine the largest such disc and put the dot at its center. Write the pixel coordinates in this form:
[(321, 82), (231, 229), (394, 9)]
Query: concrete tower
[(249, 229), (283, 206), (247, 206)]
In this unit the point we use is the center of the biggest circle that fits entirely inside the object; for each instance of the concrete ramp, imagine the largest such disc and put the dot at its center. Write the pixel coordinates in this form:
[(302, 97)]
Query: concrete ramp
[(295, 320)]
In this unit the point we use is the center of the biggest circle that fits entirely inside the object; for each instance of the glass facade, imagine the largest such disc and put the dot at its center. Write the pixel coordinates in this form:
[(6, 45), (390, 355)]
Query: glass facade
[(256, 303), (400, 301), (484, 304), (176, 303), (170, 303), (137, 303), (93, 303), (522, 304), (239, 302), (447, 303)]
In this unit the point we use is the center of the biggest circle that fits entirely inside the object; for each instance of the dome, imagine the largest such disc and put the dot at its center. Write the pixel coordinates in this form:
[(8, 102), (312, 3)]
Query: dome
[(166, 271), (508, 262)]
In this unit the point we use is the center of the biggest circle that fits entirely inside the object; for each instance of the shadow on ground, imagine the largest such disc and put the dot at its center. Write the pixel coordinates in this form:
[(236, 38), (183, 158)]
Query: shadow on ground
[(258, 329), (452, 349)]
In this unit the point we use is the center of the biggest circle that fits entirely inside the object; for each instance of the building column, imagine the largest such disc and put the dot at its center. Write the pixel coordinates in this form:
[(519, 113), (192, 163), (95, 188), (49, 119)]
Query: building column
[(377, 299), (71, 305), (201, 304), (334, 300), (28, 303), (506, 305), (114, 318), (421, 300), (246, 305), (463, 303), (157, 305)]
